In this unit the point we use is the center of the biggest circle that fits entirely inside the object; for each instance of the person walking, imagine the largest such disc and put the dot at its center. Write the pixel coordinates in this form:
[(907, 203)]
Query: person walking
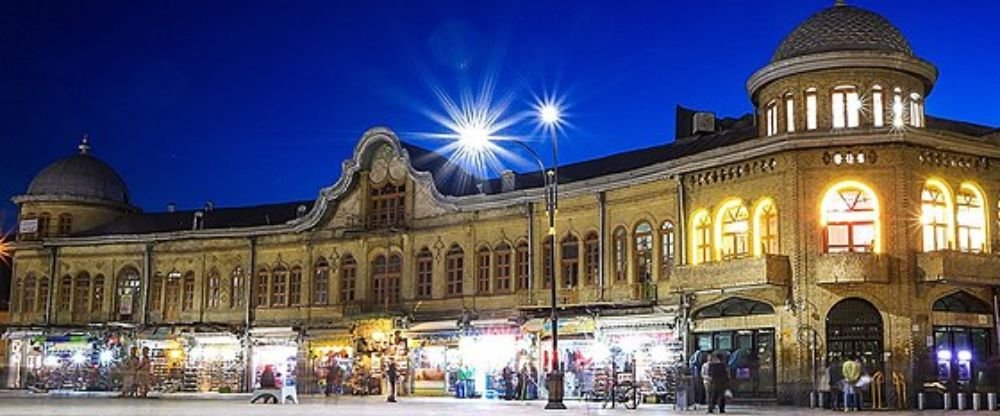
[(718, 373), (392, 374)]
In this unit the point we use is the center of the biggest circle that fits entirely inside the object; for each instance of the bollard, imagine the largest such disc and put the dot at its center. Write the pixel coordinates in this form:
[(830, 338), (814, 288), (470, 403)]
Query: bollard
[(991, 401), (963, 401), (920, 401), (822, 400), (947, 401), (812, 399), (977, 401)]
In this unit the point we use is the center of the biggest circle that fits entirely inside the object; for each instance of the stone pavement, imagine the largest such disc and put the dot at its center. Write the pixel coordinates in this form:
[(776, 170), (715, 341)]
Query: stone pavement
[(41, 405)]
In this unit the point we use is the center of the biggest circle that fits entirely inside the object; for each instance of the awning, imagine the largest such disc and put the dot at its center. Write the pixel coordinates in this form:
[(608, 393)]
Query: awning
[(637, 323)]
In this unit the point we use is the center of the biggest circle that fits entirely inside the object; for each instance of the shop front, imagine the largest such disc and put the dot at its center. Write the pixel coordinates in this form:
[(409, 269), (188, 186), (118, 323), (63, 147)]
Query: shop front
[(641, 348), (327, 348), (277, 348), (375, 343), (72, 360), (962, 342), (434, 357), (186, 360), (577, 349)]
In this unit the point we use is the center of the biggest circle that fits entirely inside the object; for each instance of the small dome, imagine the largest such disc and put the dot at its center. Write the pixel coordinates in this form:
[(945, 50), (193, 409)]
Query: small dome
[(82, 176), (842, 28)]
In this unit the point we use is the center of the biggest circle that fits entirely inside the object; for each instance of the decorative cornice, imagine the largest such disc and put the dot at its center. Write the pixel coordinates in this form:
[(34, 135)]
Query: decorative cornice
[(20, 199)]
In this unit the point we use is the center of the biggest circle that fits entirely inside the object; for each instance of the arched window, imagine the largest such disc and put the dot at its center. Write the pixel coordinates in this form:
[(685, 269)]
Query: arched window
[(811, 110), (735, 306), (263, 285), (916, 110), (29, 294), (279, 286), (789, 113), (155, 294), (732, 230), (172, 296), (570, 251), (214, 289), (43, 294), (547, 256), (701, 237), (846, 107), (65, 293), (81, 293), (620, 244), (128, 294), (667, 248), (65, 224), (643, 250), (348, 278), (502, 272), (321, 283), (97, 294), (483, 271), (962, 302), (236, 281), (387, 206), (385, 279), (425, 274), (592, 255), (44, 219), (897, 108), (188, 291), (936, 212), (295, 286), (765, 227), (523, 265), (971, 219), (878, 107), (850, 216), (771, 117), (454, 270)]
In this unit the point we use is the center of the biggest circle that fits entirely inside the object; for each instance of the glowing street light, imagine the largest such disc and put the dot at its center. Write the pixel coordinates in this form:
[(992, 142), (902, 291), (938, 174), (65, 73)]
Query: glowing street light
[(549, 114)]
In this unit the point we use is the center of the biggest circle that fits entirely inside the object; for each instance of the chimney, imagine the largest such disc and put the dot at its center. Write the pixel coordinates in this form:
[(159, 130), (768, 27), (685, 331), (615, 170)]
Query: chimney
[(703, 122), (171, 207), (209, 206), (199, 221), (508, 181), (689, 122)]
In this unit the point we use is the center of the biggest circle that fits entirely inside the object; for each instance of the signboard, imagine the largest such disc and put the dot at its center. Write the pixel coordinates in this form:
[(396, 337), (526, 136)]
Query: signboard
[(28, 226)]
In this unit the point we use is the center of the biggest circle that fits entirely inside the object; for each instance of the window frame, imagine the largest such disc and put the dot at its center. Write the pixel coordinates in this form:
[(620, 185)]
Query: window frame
[(592, 257), (454, 271), (643, 245), (502, 268), (425, 274), (348, 277), (851, 226), (569, 255)]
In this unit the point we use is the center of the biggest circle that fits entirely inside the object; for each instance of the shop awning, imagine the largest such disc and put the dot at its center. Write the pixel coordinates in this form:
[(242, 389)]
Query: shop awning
[(637, 323)]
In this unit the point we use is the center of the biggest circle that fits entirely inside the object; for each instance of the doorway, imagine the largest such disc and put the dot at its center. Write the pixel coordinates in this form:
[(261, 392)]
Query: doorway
[(854, 329)]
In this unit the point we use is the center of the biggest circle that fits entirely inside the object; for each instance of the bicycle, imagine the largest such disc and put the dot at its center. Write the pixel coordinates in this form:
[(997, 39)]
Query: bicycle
[(626, 393)]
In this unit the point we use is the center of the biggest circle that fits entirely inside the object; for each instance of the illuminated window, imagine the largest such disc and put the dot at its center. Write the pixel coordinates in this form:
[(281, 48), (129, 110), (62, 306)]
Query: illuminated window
[(772, 118), (81, 293), (547, 256), (43, 224), (295, 286), (916, 111), (850, 216), (28, 294), (128, 290), (570, 261), (592, 255), (846, 107), (897, 108), (936, 212), (971, 219), (236, 281), (65, 224), (483, 271), (503, 270), (619, 254), (789, 113), (386, 274), (65, 293), (387, 206), (765, 228), (523, 265), (279, 286), (425, 274), (732, 230), (263, 283), (811, 110), (643, 251), (348, 278), (454, 271), (97, 294), (188, 291), (701, 237), (878, 107), (321, 282), (214, 283)]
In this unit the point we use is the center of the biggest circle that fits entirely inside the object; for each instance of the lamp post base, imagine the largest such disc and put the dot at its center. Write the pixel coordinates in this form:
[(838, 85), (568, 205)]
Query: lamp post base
[(555, 385)]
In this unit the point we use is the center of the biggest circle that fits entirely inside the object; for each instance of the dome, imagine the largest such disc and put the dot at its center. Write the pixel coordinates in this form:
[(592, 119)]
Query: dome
[(842, 28), (80, 176)]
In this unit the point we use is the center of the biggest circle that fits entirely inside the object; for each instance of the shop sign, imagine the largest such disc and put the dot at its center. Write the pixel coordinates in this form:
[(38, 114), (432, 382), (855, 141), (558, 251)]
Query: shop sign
[(28, 226), (571, 326)]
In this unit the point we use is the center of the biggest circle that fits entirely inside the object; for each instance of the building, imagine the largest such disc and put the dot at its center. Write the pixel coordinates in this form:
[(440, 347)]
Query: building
[(837, 220)]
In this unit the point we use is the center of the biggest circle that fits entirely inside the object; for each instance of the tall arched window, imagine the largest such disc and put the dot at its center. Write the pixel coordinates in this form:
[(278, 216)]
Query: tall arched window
[(172, 296), (385, 279), (789, 113), (971, 206), (279, 285), (43, 294), (502, 273), (771, 117), (392, 282), (897, 108), (570, 251), (263, 285), (321, 283), (454, 271), (878, 107), (592, 255), (643, 249), (29, 294), (295, 286), (547, 256), (97, 294), (667, 248), (156, 287), (214, 288), (44, 220), (732, 230), (81, 293), (128, 293), (236, 281), (425, 274), (348, 278), (916, 110), (850, 216), (846, 107), (65, 224), (936, 213), (701, 237), (65, 293), (483, 271), (523, 265), (811, 110), (188, 291), (765, 228), (620, 243)]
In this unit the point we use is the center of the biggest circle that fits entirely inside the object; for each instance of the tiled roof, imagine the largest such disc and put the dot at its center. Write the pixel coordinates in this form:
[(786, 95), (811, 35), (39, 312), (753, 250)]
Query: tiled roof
[(960, 127), (216, 218), (842, 28)]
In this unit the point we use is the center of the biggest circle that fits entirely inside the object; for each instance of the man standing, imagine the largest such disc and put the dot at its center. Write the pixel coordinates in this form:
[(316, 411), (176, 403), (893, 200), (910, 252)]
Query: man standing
[(392, 375), (719, 375), (508, 382), (852, 373)]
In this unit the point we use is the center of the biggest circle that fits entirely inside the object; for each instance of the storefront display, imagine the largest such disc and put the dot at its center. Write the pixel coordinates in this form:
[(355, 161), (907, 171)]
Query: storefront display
[(276, 348), (74, 361), (647, 346), (376, 343), (214, 363), (431, 345), (576, 346), (327, 349)]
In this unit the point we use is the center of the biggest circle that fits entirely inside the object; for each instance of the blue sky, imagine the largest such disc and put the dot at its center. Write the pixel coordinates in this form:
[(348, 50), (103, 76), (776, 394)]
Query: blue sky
[(253, 102)]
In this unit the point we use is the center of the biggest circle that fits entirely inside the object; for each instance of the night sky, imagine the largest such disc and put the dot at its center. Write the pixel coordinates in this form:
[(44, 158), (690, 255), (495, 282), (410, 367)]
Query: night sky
[(254, 102)]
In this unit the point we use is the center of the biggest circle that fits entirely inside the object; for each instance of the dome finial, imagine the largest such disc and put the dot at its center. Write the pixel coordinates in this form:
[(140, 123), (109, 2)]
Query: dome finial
[(84, 144)]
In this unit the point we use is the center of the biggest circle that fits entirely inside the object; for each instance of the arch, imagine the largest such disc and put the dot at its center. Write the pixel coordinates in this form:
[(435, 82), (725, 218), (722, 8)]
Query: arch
[(321, 282), (620, 244), (845, 106), (734, 306), (454, 270), (65, 293), (295, 285), (850, 216), (701, 237), (961, 302), (237, 280), (29, 294), (937, 221), (97, 293), (188, 292), (854, 329), (425, 273), (127, 293), (766, 237), (213, 289), (502, 268), (263, 286), (642, 252), (81, 293), (44, 289), (522, 264), (348, 278), (972, 226), (483, 255), (569, 252), (732, 230), (279, 285), (592, 257), (878, 106), (172, 295)]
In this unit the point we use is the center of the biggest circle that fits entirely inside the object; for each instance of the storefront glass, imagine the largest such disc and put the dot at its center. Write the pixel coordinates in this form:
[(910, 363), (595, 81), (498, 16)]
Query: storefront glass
[(72, 362), (750, 356), (961, 355)]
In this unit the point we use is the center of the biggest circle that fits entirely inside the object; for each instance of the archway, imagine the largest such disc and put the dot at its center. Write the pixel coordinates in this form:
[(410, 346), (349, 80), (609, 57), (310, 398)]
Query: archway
[(854, 329)]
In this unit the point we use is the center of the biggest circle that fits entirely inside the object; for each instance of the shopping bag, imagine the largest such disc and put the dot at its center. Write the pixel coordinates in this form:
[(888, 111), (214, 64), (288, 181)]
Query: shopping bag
[(729, 394)]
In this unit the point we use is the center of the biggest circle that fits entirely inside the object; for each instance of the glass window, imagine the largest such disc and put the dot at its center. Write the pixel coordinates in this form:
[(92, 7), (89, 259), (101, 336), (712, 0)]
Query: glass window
[(733, 233), (502, 272), (28, 294), (766, 228), (425, 274), (321, 283), (916, 111), (811, 110), (643, 250), (188, 291), (387, 206), (454, 271), (789, 113), (523, 265), (592, 255), (295, 286), (43, 294), (897, 108), (156, 292), (65, 224), (971, 219), (570, 261), (701, 237), (263, 284), (279, 286), (97, 294), (771, 115), (385, 279), (236, 283), (667, 248), (850, 216), (81, 295), (348, 278), (214, 283), (878, 107), (483, 271), (65, 293), (619, 254), (846, 107), (172, 296), (935, 216), (44, 219)]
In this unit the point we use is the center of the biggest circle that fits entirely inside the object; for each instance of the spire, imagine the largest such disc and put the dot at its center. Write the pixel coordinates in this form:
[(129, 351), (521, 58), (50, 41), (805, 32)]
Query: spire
[(84, 145)]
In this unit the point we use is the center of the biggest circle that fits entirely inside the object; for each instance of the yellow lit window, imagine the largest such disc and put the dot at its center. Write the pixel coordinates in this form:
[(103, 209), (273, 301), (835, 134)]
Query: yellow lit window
[(765, 224), (733, 230), (789, 114), (850, 217), (971, 219), (811, 110), (701, 237), (878, 109), (846, 107), (772, 118), (936, 216)]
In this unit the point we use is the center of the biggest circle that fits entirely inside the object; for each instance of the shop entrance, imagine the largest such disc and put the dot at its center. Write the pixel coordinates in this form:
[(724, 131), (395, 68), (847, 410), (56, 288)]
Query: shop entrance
[(961, 350), (750, 359), (854, 330)]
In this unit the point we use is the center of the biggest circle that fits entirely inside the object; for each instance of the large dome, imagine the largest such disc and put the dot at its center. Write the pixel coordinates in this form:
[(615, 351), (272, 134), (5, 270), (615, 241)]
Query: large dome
[(842, 28), (80, 176)]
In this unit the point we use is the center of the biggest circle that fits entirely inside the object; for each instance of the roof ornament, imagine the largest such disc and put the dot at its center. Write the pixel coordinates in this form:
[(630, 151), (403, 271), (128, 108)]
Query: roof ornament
[(84, 144), (840, 3)]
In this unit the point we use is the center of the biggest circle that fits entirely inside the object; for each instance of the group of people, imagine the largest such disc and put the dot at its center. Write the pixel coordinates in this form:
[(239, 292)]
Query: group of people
[(136, 373), (520, 385), (715, 377)]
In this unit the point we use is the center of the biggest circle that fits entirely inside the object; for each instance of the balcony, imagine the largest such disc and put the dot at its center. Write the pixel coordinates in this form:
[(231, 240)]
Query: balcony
[(769, 270), (974, 269), (846, 268)]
